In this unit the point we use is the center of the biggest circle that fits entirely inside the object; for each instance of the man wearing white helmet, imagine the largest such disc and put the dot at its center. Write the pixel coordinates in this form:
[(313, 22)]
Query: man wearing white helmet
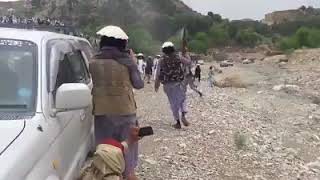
[(115, 74), (141, 63), (170, 73)]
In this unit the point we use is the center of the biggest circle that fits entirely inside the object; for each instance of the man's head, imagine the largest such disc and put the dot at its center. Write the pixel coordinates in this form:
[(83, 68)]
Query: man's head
[(168, 48), (140, 56), (113, 36)]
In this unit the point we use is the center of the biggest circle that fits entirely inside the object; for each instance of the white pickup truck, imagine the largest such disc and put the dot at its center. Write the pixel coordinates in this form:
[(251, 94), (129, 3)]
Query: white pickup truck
[(46, 122)]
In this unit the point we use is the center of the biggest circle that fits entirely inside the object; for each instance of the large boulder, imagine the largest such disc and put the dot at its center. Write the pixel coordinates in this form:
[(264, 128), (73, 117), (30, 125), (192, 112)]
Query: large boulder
[(231, 81), (277, 58), (286, 87)]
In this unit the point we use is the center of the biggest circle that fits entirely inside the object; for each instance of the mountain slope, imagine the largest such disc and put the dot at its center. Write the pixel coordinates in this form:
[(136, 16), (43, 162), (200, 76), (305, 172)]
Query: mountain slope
[(156, 16)]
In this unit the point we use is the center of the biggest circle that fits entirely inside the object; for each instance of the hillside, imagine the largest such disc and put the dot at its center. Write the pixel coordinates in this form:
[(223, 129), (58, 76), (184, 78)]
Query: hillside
[(153, 15), (280, 17)]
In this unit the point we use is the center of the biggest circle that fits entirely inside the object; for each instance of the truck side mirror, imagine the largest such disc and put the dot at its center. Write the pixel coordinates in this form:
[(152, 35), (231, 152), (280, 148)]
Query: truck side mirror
[(73, 96)]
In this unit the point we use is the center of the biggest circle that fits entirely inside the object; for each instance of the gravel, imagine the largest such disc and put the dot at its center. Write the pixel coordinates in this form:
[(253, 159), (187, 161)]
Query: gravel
[(236, 133)]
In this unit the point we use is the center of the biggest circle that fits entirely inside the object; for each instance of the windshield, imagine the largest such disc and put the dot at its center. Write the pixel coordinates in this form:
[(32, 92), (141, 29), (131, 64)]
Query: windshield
[(17, 75)]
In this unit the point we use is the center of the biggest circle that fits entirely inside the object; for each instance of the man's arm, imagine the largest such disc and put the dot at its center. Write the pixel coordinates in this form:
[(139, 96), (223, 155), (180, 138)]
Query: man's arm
[(135, 76), (185, 59)]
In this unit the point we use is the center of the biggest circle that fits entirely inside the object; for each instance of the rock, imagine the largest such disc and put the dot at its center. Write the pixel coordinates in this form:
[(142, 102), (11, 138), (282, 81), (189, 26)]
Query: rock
[(150, 161), (314, 165), (259, 92), (278, 87), (316, 118), (282, 64), (287, 87), (283, 59), (211, 132), (183, 145), (315, 99), (315, 137), (233, 80), (248, 61)]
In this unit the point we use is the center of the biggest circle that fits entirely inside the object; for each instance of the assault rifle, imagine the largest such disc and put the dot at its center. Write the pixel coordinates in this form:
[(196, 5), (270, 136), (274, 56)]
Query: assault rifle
[(184, 47)]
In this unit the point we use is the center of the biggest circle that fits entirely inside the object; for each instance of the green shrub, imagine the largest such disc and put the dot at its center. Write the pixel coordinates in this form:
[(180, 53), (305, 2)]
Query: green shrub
[(198, 46), (248, 37), (304, 37)]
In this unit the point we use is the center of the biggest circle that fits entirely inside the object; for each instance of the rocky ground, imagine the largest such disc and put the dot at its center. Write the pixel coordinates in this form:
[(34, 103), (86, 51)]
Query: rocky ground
[(268, 130)]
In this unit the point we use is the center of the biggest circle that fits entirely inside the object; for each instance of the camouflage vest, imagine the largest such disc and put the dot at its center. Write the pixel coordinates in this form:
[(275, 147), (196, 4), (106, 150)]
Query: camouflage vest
[(171, 69), (112, 91)]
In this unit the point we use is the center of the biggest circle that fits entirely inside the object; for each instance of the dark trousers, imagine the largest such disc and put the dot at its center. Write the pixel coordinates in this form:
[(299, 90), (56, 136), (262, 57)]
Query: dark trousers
[(198, 77)]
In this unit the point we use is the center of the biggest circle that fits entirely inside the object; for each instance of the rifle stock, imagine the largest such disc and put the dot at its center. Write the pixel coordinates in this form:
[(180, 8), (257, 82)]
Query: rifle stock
[(184, 42)]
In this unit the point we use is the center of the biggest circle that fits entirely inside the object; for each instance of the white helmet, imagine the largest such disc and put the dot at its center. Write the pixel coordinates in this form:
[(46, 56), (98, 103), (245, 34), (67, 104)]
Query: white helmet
[(113, 31), (167, 44), (140, 55)]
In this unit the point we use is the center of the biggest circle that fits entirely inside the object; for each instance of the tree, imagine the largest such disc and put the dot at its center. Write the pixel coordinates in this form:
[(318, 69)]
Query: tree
[(142, 41), (248, 37), (218, 35), (198, 46), (303, 37), (36, 3), (215, 17), (201, 36)]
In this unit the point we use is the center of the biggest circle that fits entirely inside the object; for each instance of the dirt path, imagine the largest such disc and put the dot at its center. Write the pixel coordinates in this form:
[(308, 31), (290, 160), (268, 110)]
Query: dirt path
[(252, 133)]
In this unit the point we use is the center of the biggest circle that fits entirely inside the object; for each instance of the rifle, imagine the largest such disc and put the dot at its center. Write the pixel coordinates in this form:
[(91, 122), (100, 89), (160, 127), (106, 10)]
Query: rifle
[(184, 42)]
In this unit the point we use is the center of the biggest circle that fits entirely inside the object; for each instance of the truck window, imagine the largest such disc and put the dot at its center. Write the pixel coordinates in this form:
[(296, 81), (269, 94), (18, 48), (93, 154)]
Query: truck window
[(87, 49), (78, 66)]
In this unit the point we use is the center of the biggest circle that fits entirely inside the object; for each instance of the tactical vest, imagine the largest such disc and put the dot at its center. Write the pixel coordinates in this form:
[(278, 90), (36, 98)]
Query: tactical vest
[(171, 69), (112, 91)]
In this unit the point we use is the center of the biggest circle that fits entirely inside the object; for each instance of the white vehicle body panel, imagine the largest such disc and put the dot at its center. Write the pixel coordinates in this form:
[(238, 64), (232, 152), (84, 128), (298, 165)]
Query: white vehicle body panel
[(45, 146)]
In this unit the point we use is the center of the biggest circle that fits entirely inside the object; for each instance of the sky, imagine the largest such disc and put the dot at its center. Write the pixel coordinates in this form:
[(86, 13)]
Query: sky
[(242, 9)]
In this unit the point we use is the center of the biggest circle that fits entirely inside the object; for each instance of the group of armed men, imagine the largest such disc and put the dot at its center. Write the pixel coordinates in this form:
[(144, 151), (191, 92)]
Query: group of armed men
[(116, 71)]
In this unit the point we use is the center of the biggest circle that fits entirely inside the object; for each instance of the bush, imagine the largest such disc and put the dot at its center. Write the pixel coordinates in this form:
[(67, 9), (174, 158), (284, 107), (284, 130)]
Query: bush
[(304, 37), (288, 44)]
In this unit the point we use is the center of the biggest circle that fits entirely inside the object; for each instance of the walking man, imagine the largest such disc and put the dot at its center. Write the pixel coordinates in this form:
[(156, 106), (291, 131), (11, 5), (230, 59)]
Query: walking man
[(148, 69), (189, 81), (170, 73), (197, 73), (210, 77), (141, 63), (115, 74)]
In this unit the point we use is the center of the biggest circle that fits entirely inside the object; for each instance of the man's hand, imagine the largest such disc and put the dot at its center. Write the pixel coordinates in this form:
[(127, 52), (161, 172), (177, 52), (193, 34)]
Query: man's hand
[(133, 56), (133, 135)]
